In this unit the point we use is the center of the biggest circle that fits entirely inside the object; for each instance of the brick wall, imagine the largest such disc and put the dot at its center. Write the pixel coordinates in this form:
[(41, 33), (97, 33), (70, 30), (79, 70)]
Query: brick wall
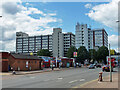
[(21, 63)]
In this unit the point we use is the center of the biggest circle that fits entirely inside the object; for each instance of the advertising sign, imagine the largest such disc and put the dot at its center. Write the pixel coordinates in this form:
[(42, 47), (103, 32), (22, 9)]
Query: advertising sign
[(26, 64), (75, 54)]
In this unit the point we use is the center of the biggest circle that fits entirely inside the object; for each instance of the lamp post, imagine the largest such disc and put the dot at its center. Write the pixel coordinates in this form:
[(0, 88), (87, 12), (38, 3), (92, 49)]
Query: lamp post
[(110, 65)]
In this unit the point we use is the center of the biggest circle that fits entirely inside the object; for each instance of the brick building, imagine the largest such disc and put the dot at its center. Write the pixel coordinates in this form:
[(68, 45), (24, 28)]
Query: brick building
[(20, 62)]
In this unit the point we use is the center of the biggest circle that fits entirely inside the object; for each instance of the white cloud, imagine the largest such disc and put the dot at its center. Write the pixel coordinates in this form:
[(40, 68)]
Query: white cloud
[(20, 20), (52, 14), (106, 14), (88, 5), (113, 40)]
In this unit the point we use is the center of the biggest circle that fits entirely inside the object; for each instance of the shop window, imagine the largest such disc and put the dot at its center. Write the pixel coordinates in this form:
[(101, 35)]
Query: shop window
[(35, 61)]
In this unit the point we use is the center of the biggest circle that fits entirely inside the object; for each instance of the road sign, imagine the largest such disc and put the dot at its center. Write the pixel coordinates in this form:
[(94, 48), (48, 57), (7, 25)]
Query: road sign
[(75, 54), (112, 52), (31, 53)]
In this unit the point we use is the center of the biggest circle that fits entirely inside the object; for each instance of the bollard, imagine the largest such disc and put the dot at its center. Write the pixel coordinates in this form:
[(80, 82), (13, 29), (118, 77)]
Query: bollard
[(100, 76)]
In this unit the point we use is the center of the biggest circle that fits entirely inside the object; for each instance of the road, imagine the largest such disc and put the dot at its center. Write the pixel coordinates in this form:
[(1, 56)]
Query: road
[(55, 79)]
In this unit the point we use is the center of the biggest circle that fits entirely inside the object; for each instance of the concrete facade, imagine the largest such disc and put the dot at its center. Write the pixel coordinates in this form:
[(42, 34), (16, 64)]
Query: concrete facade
[(58, 43), (82, 36), (69, 40), (91, 39)]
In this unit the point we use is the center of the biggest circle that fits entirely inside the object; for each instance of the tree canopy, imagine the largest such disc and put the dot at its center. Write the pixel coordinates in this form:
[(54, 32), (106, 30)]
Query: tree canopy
[(82, 54), (92, 54), (102, 53), (44, 52), (70, 52)]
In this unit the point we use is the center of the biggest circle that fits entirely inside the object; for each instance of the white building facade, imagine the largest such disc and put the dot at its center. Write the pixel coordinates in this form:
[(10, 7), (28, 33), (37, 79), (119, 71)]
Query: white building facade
[(91, 39), (58, 43)]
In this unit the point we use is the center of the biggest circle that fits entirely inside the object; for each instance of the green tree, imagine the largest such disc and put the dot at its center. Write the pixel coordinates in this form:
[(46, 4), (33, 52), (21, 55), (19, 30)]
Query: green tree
[(70, 52), (44, 52), (82, 54), (92, 54), (102, 53)]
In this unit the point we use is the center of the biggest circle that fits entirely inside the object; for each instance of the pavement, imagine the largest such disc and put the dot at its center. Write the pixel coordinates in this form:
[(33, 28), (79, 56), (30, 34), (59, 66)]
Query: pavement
[(33, 72), (104, 84)]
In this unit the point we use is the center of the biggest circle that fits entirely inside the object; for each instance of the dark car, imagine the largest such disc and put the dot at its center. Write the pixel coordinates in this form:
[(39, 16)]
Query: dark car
[(106, 68), (98, 66), (91, 66)]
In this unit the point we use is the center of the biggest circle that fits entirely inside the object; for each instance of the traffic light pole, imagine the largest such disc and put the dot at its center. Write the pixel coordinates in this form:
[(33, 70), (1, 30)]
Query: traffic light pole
[(110, 65)]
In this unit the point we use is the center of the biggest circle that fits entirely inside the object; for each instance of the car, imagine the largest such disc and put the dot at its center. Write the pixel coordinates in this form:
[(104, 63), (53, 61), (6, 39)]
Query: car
[(106, 68), (78, 65), (98, 65), (91, 66)]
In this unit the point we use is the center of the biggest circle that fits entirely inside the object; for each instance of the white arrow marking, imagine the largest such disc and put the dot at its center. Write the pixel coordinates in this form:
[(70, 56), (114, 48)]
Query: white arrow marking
[(82, 80), (73, 81)]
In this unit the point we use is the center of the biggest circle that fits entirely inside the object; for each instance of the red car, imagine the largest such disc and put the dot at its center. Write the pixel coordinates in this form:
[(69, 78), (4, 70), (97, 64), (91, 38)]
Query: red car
[(106, 68)]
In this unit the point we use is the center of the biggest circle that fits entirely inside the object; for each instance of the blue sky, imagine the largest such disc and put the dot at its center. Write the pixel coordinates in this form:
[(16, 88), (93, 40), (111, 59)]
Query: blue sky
[(37, 18), (70, 13)]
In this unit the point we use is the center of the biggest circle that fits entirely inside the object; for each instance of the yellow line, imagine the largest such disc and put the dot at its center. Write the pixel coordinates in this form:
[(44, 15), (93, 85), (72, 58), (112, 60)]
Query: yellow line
[(88, 82), (85, 83)]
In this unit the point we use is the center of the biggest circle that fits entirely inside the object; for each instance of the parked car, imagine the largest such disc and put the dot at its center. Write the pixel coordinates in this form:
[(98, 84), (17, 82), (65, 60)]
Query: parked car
[(98, 66), (91, 66), (78, 65), (106, 68)]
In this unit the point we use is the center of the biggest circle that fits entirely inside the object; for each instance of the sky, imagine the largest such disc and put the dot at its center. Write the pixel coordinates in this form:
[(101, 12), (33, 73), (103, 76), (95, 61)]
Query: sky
[(37, 18)]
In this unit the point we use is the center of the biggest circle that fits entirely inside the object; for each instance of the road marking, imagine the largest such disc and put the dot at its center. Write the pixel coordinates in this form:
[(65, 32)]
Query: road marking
[(82, 80), (73, 81), (32, 77), (60, 78), (88, 82)]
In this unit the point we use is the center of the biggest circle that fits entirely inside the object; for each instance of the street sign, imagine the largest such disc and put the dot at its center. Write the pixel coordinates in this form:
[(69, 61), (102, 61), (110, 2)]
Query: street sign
[(112, 52), (75, 54), (31, 53)]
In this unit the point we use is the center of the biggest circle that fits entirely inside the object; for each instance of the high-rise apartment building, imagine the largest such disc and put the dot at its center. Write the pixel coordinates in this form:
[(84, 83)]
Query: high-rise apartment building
[(27, 44), (82, 36), (69, 40), (99, 37), (58, 43), (91, 39)]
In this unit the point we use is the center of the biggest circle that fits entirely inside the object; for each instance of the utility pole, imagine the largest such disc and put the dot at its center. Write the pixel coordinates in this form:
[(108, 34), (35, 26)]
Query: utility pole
[(110, 65)]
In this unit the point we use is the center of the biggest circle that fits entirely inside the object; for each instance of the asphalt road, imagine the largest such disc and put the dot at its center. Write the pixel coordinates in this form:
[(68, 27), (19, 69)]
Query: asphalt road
[(55, 79)]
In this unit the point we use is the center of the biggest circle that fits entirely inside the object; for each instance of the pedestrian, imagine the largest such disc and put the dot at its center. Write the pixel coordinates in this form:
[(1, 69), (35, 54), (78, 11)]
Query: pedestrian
[(14, 71), (59, 65)]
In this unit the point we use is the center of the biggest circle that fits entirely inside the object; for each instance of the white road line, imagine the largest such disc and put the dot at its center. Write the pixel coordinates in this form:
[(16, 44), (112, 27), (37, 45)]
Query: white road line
[(32, 77), (73, 81), (82, 79), (60, 78)]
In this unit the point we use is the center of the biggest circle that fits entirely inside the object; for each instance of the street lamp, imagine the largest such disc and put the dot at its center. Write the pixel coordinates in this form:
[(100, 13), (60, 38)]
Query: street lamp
[(117, 21)]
